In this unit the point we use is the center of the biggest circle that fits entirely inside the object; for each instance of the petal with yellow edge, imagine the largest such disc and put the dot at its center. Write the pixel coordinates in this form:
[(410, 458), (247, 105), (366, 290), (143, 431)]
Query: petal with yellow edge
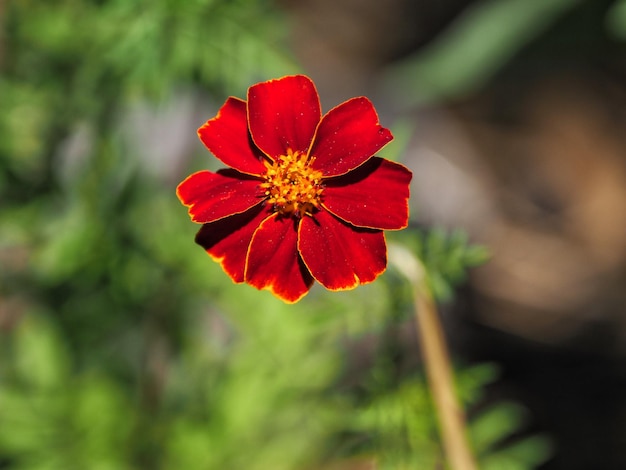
[(338, 255), (273, 261), (227, 137), (227, 240), (283, 114), (212, 196), (375, 195), (347, 136)]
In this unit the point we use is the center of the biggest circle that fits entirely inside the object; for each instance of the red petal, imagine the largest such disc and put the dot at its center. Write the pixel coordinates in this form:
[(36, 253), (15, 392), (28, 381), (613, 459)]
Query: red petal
[(338, 255), (283, 114), (273, 260), (227, 137), (375, 195), (347, 136), (227, 240), (212, 196)]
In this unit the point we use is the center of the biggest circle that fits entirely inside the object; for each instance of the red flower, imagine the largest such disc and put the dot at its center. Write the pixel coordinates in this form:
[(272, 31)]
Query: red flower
[(303, 199)]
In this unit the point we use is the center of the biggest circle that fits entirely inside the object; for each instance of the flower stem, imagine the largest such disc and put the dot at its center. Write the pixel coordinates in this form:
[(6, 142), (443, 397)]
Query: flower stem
[(437, 363)]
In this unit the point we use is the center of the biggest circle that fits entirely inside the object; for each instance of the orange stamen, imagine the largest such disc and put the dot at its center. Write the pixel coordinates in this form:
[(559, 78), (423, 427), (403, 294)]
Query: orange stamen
[(291, 185)]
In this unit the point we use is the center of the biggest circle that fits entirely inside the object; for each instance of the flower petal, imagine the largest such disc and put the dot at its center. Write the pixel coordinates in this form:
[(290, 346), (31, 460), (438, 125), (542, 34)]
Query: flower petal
[(227, 137), (226, 240), (375, 195), (273, 260), (212, 196), (283, 114), (338, 255), (347, 136)]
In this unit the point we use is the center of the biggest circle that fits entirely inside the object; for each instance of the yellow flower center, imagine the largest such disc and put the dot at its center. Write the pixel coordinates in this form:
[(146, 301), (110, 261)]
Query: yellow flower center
[(291, 185)]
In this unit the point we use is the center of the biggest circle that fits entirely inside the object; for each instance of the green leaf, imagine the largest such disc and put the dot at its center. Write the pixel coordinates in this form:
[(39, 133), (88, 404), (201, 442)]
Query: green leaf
[(473, 48)]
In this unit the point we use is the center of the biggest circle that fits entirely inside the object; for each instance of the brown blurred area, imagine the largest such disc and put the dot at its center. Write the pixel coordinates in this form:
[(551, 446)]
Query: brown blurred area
[(532, 164)]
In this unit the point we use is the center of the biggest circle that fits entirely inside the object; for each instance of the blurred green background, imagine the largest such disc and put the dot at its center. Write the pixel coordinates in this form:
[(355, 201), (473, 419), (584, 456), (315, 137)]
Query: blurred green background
[(123, 346)]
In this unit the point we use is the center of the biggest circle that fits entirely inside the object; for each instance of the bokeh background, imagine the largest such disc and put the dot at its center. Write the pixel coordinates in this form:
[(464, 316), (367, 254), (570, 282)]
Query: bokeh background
[(122, 346)]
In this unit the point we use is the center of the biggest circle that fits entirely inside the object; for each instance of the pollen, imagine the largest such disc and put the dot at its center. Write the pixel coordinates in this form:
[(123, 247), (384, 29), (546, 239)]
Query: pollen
[(291, 185)]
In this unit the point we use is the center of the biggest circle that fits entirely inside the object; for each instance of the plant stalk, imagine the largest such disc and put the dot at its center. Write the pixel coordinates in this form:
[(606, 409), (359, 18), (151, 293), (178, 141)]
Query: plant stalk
[(441, 382), (437, 363)]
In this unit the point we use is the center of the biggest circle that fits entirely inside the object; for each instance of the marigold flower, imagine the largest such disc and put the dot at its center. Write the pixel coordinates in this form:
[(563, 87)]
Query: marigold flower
[(304, 198)]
